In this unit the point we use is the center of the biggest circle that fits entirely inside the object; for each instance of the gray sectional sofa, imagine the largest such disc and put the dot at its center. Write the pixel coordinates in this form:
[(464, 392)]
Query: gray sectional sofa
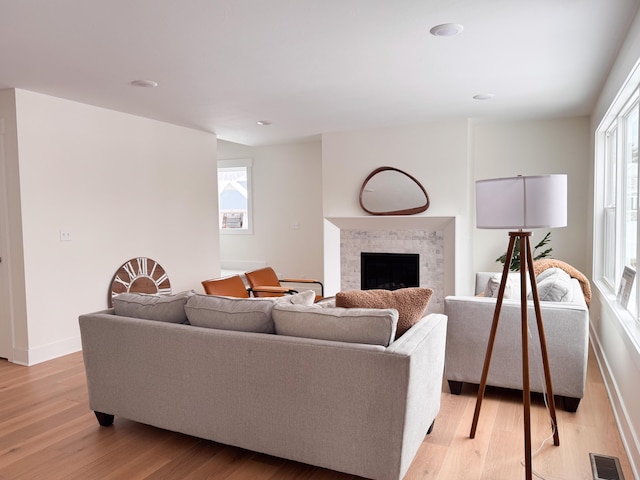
[(355, 407), (565, 318)]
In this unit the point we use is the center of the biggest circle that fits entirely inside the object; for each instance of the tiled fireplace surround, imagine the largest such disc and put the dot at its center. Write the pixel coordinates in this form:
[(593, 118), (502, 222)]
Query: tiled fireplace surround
[(430, 237)]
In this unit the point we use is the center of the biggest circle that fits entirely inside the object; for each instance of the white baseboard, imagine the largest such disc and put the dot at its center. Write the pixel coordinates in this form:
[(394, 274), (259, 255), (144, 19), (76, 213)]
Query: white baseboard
[(43, 353), (625, 427)]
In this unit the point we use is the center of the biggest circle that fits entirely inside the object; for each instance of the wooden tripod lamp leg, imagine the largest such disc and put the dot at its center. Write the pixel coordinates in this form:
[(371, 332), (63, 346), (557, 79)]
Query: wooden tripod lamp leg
[(492, 337), (543, 346), (526, 388)]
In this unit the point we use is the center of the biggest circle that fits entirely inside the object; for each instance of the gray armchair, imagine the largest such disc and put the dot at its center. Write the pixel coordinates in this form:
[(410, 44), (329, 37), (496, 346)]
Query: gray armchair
[(566, 326)]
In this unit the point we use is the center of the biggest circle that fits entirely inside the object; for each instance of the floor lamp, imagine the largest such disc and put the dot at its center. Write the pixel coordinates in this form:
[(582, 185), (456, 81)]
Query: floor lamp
[(521, 203)]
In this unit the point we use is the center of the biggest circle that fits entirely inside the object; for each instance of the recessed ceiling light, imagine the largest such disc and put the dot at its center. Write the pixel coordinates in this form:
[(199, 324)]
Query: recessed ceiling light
[(144, 83), (484, 96), (263, 123), (446, 30)]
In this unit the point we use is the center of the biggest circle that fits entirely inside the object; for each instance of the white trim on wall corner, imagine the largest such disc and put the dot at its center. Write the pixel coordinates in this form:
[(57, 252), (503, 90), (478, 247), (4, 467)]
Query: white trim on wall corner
[(29, 357)]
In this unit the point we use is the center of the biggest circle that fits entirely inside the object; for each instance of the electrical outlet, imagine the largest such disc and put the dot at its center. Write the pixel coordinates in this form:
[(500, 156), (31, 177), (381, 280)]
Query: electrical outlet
[(65, 236), (295, 225)]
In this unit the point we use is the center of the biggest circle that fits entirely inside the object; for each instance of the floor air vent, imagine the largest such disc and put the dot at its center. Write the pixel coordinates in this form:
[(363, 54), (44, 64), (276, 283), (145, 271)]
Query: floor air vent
[(605, 467)]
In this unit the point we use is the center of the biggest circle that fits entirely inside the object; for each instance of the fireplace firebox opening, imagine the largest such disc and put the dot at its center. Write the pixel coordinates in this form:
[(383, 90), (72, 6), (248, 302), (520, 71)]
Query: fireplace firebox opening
[(389, 271)]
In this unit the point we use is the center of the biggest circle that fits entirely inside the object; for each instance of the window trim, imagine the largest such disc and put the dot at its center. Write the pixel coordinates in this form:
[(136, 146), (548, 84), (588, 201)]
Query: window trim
[(230, 163), (627, 322)]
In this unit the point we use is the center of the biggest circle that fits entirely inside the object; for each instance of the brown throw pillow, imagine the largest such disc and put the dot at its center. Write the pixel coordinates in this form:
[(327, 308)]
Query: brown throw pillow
[(411, 303)]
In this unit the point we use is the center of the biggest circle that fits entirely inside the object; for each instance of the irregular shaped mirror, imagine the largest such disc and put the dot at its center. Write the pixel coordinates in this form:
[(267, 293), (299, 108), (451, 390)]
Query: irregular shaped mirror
[(389, 191)]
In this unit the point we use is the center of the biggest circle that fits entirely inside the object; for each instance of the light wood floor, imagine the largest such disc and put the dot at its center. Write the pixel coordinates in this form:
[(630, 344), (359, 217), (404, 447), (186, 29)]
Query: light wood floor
[(48, 432)]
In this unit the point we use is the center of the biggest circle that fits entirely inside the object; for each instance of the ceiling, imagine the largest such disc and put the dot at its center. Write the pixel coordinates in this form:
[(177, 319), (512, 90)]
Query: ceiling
[(314, 66)]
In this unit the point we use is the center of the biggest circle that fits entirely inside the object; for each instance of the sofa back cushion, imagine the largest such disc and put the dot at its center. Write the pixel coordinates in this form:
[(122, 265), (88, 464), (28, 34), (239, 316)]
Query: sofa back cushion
[(229, 313), (241, 314), (373, 326), (164, 308)]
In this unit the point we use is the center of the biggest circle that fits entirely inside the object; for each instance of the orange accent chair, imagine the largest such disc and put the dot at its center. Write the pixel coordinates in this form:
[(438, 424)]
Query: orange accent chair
[(265, 283), (232, 286)]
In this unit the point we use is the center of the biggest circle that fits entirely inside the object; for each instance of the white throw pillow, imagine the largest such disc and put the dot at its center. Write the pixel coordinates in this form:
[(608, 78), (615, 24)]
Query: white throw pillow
[(554, 285), (303, 298), (511, 289)]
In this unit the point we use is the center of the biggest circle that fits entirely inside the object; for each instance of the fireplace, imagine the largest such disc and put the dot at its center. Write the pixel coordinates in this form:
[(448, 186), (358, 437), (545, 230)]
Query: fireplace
[(432, 238), (389, 271)]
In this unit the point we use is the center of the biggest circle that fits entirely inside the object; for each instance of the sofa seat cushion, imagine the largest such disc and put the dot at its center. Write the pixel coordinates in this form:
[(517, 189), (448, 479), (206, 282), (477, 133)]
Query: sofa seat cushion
[(371, 326), (163, 308), (411, 303)]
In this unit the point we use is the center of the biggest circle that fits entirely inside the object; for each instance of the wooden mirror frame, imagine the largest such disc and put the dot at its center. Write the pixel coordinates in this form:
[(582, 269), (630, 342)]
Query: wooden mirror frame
[(406, 211)]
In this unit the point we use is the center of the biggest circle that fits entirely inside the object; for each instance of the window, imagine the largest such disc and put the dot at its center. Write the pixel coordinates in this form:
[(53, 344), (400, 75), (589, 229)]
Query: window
[(611, 140), (234, 196), (617, 194)]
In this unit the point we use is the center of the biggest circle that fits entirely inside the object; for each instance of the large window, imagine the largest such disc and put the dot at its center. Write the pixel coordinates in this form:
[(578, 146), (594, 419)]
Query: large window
[(617, 194), (234, 196)]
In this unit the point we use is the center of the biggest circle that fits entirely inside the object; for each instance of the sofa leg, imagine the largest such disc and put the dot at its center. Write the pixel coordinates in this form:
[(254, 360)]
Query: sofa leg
[(571, 404), (455, 387), (431, 427), (104, 419)]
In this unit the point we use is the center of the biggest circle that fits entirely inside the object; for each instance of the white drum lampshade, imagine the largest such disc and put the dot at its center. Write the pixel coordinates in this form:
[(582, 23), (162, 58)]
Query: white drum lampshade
[(538, 201)]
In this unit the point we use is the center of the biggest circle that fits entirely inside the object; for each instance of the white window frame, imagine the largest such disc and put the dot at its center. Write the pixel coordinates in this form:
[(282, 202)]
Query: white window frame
[(613, 208), (614, 120), (234, 163)]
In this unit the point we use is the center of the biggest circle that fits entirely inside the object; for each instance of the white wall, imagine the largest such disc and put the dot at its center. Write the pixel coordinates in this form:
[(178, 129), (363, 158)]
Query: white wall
[(617, 350), (536, 147), (447, 157), (287, 190), (436, 154), (123, 186)]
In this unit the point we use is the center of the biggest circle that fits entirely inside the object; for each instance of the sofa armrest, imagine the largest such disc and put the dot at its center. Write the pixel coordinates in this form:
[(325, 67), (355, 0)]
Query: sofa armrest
[(418, 333), (424, 346)]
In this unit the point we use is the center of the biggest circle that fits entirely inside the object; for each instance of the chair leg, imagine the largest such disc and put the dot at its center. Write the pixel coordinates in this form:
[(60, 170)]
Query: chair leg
[(431, 427), (104, 419), (571, 404), (455, 387)]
